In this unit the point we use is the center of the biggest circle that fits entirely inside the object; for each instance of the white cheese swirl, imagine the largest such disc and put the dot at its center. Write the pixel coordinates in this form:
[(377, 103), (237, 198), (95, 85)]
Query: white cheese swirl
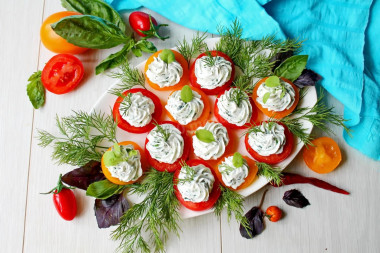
[(185, 112), (214, 149), (137, 109), (269, 140), (276, 102), (166, 151), (129, 169), (230, 111), (197, 188), (233, 176), (164, 74), (210, 77)]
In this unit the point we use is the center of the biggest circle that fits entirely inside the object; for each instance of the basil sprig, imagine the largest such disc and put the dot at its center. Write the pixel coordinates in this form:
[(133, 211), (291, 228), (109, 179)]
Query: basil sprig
[(186, 94), (204, 135), (237, 160), (104, 189), (35, 90), (292, 67)]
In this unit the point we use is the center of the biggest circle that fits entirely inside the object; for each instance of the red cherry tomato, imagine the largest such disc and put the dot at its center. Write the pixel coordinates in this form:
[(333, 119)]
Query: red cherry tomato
[(273, 213), (216, 91), (145, 25), (123, 124), (62, 73), (214, 194), (160, 166), (65, 203), (274, 158)]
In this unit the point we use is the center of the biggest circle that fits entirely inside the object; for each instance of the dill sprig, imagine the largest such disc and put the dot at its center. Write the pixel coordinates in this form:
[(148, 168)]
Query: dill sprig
[(257, 129), (125, 104), (81, 136), (231, 40), (157, 215), (196, 46), (163, 132), (209, 60), (189, 171), (272, 174), (128, 77), (243, 85)]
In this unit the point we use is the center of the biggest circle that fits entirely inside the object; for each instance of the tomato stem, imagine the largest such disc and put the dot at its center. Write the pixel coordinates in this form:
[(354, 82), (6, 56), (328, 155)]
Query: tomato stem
[(153, 30), (59, 187)]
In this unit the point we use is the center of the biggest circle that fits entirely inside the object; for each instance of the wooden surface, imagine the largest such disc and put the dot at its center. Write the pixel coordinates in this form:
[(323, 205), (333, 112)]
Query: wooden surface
[(29, 222)]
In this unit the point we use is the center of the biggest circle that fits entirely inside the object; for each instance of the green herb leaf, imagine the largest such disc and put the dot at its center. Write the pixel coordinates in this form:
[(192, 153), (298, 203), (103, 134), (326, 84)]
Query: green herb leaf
[(90, 32), (237, 160), (112, 157), (167, 56), (186, 94), (266, 97), (292, 67), (116, 149), (146, 46), (204, 135), (272, 81), (35, 90), (96, 8), (104, 189), (136, 51), (114, 60)]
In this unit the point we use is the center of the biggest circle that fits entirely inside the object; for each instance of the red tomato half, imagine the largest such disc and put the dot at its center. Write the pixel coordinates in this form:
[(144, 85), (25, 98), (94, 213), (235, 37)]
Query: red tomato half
[(62, 73), (160, 166), (275, 158), (193, 77), (123, 124), (230, 125), (65, 203), (214, 195)]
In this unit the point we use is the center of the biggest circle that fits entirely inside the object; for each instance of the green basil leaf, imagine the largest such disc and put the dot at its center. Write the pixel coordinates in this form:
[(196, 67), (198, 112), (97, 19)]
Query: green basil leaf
[(292, 67), (272, 81), (167, 56), (204, 135), (146, 46), (136, 51), (266, 97), (103, 189), (110, 158), (237, 160), (186, 94), (35, 90), (113, 60), (90, 32), (96, 8)]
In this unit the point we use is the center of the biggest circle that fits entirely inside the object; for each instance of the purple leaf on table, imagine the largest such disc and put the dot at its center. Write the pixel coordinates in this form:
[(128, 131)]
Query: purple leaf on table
[(109, 211), (84, 176)]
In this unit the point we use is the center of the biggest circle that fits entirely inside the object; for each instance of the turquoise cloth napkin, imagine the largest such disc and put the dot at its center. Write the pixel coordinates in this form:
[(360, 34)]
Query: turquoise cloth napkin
[(341, 41)]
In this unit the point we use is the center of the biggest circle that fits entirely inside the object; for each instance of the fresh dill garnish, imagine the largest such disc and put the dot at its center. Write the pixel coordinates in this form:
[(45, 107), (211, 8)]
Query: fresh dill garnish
[(163, 132), (257, 129), (129, 77), (272, 174), (243, 85), (189, 171), (196, 46), (209, 60), (156, 215), (81, 137), (231, 40), (227, 169), (125, 104)]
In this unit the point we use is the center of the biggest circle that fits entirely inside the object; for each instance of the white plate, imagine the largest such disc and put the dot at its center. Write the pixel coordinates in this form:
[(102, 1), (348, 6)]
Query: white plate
[(106, 101)]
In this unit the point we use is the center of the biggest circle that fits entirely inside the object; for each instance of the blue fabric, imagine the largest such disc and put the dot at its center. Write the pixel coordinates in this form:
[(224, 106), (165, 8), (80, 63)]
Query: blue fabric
[(341, 39)]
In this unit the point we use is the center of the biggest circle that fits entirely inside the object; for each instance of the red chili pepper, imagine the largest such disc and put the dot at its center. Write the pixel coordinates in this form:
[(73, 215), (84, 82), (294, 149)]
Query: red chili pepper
[(291, 178)]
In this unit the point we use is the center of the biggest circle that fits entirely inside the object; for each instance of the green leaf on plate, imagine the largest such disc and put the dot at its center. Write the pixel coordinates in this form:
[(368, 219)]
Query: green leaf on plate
[(237, 160), (113, 157), (104, 189), (35, 90), (266, 97), (146, 46), (167, 56), (136, 51), (204, 135), (272, 81), (114, 60), (186, 94), (292, 67)]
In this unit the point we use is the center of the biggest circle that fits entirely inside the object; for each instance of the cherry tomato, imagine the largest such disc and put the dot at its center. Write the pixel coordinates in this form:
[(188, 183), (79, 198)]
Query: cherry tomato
[(214, 194), (230, 125), (144, 164), (274, 114), (53, 41), (217, 90), (65, 203), (324, 156), (62, 73), (145, 25), (123, 124), (161, 166), (274, 158), (273, 213)]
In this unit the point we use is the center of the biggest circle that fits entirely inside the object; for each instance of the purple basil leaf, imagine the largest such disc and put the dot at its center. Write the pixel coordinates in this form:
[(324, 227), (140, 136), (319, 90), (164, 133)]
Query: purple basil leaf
[(307, 78), (280, 57), (84, 176), (255, 218), (109, 211), (295, 198)]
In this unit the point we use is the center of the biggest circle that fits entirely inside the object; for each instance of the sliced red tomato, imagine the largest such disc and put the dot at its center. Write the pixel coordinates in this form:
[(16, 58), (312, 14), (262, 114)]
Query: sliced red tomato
[(160, 166), (62, 73), (180, 59), (216, 91), (123, 124), (274, 158), (213, 197), (274, 114), (143, 160), (230, 125)]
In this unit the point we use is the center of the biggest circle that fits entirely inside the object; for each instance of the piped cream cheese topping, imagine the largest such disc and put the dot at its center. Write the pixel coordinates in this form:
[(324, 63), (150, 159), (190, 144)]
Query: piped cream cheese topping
[(137, 109), (162, 149), (185, 112), (216, 75), (129, 169), (268, 140), (164, 74), (197, 187), (281, 97), (233, 176), (214, 149)]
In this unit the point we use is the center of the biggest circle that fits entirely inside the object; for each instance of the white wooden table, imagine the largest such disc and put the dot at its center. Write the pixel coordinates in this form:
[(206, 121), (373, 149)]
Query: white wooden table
[(29, 222)]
